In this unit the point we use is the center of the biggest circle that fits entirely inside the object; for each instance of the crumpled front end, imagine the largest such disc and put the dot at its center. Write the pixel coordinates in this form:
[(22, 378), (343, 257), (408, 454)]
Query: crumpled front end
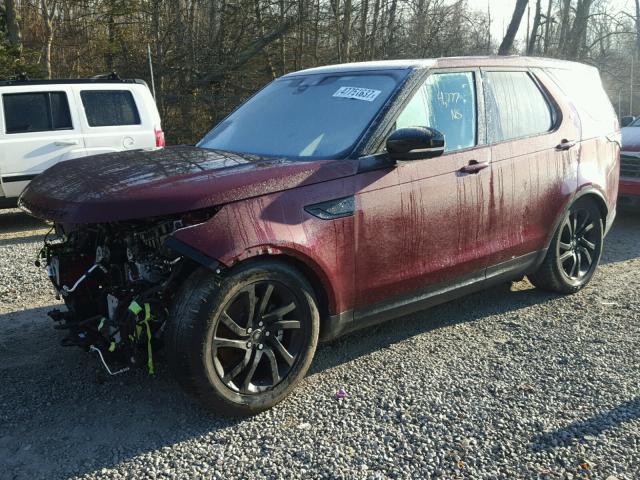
[(118, 281)]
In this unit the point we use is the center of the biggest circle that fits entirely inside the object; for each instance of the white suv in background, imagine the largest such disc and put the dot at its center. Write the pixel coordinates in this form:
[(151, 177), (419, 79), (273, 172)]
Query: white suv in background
[(43, 122)]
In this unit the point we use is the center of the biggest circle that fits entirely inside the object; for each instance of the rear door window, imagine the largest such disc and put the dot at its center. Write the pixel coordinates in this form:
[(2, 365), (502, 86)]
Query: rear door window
[(36, 112), (516, 108), (108, 108), (446, 102)]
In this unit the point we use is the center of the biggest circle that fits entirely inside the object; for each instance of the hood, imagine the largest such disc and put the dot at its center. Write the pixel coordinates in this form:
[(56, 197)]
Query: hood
[(147, 183), (630, 139)]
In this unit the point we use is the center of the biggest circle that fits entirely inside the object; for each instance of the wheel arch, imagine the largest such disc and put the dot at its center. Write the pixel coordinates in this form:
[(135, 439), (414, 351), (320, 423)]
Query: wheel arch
[(591, 193), (308, 269)]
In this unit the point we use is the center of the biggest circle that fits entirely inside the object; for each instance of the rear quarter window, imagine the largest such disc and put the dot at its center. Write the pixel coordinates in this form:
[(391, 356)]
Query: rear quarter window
[(584, 89), (109, 108)]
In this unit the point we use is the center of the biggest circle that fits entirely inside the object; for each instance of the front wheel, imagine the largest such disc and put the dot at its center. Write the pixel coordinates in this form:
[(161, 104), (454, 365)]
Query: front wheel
[(243, 343), (574, 252)]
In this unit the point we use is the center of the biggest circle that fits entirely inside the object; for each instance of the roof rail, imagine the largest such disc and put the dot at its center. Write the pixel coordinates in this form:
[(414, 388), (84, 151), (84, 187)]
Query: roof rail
[(113, 77), (107, 76)]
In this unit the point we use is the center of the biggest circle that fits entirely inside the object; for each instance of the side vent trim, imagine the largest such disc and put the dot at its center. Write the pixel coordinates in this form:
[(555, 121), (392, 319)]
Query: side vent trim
[(332, 209)]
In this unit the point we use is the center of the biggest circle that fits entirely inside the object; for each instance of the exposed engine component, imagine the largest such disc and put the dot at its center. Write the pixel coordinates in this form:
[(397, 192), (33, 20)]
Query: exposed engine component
[(117, 281)]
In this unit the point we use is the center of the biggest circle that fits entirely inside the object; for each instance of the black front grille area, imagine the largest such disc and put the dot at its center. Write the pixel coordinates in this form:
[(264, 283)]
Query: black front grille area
[(629, 166)]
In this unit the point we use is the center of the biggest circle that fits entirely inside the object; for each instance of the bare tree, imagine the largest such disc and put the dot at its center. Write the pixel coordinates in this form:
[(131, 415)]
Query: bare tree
[(548, 22), (209, 55), (533, 37), (578, 34), (514, 25), (47, 10)]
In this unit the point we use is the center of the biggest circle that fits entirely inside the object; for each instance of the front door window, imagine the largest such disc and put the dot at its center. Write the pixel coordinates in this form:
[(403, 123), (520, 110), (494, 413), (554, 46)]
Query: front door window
[(446, 102)]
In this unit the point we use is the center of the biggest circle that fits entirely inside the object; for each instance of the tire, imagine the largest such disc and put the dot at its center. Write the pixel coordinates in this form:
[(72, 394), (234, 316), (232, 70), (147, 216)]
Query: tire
[(574, 251), (236, 363)]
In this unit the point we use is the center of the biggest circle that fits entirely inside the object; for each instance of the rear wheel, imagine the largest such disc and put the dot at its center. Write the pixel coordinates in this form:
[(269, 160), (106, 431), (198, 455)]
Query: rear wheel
[(242, 344), (574, 251)]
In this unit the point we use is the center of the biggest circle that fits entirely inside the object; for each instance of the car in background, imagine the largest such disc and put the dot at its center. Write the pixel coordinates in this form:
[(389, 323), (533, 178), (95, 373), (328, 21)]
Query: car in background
[(43, 122), (629, 190), (333, 199)]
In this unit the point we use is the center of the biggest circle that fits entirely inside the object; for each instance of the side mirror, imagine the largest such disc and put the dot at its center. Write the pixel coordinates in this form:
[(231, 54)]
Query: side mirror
[(415, 143), (626, 121)]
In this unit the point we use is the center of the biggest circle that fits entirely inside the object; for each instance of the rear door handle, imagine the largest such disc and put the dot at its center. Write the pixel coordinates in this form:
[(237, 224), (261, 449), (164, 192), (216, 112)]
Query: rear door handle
[(66, 143), (474, 167), (565, 144)]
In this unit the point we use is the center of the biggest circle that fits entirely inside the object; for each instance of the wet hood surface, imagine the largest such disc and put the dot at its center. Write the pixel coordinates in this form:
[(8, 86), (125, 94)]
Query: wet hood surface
[(147, 183)]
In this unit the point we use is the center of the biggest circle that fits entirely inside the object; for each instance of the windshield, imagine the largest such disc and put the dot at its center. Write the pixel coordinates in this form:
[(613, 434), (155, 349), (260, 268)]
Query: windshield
[(635, 123), (304, 116)]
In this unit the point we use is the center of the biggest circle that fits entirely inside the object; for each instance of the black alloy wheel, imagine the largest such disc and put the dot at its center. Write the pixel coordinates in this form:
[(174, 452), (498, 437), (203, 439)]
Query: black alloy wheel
[(259, 337), (575, 249), (241, 343), (578, 243)]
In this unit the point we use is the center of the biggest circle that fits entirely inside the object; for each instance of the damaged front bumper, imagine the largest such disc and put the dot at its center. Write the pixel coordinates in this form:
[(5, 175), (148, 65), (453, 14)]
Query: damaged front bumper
[(118, 282)]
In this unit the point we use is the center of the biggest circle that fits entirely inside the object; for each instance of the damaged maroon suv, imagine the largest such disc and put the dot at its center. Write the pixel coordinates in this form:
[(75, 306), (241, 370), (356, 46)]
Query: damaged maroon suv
[(333, 199)]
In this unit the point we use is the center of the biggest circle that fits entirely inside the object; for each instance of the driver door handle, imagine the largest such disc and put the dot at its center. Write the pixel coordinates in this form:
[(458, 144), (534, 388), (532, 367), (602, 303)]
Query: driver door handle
[(474, 167), (565, 144)]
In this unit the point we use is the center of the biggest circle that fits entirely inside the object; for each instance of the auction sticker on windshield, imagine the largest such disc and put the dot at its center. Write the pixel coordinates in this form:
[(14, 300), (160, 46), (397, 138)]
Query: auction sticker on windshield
[(357, 93)]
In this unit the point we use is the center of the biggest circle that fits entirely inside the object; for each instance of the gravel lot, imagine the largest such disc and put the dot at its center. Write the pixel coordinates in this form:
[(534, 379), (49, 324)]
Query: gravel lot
[(509, 383)]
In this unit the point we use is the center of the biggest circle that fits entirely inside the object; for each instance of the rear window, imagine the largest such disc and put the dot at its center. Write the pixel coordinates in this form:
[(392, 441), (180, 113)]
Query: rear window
[(36, 112), (108, 108), (516, 108)]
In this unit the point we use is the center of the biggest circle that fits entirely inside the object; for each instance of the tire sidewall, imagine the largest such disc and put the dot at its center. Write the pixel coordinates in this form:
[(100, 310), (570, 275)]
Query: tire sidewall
[(210, 385), (594, 211)]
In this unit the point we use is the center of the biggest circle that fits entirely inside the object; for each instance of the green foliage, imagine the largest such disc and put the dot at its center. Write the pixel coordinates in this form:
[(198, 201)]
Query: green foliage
[(13, 63)]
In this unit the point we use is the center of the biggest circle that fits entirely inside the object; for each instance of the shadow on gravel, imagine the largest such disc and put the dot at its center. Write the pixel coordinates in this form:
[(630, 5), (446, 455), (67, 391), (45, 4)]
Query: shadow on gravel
[(475, 307), (623, 413), (58, 412), (61, 416), (13, 221)]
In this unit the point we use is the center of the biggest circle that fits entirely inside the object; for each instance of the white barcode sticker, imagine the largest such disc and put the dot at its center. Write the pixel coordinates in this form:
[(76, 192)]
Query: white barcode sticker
[(357, 93)]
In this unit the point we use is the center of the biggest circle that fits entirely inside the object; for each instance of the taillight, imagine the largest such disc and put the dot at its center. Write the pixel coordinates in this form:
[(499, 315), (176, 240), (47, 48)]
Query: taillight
[(159, 137)]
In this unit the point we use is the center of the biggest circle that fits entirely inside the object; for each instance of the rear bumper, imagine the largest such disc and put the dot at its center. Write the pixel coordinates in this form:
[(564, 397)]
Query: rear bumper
[(629, 193)]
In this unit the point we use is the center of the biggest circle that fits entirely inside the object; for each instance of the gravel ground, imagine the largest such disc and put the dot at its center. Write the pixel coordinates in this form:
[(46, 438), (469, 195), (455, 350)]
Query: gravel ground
[(508, 383)]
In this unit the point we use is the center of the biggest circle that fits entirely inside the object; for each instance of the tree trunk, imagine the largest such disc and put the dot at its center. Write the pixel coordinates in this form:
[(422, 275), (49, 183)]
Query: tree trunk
[(534, 28), (374, 30), (111, 33), (47, 17), (578, 35), (564, 24), (514, 25), (13, 27), (271, 71), (547, 27), (364, 11), (346, 31), (391, 29)]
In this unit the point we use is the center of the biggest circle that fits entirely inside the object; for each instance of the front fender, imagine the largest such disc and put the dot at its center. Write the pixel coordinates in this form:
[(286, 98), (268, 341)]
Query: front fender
[(277, 224)]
